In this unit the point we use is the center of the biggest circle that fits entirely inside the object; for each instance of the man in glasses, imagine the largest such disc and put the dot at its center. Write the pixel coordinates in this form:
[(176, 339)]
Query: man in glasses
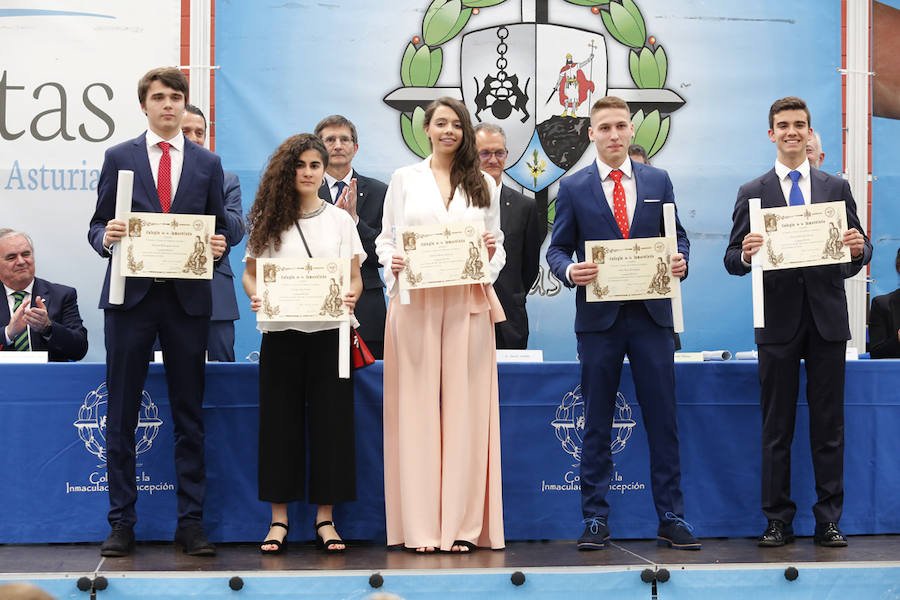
[(523, 234), (363, 198)]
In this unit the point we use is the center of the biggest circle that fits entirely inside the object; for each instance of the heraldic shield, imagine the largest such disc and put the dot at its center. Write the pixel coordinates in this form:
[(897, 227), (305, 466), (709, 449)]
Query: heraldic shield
[(538, 82)]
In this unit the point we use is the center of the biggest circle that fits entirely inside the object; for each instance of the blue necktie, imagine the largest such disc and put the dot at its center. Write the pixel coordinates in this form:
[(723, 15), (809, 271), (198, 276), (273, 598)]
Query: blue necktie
[(340, 190), (20, 342), (796, 197)]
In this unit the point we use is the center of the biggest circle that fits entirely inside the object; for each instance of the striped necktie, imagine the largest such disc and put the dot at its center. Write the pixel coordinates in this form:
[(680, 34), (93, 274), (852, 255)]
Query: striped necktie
[(20, 342)]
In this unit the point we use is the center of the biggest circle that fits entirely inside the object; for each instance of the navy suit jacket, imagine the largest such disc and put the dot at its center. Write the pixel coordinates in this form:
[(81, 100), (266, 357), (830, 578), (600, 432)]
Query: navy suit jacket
[(369, 207), (522, 239), (200, 191), (583, 214), (785, 289), (68, 336), (224, 301)]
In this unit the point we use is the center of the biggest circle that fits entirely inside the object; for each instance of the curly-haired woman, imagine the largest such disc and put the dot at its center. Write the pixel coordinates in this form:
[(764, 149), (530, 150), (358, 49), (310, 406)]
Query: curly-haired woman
[(299, 387), (441, 407)]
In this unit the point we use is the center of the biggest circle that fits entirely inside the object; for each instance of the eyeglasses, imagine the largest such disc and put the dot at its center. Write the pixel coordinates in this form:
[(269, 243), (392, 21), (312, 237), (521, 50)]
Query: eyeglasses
[(331, 140), (487, 154)]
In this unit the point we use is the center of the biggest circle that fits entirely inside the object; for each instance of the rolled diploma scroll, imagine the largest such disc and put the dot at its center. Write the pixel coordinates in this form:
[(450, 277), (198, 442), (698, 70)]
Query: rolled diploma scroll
[(716, 355), (344, 350), (677, 314), (123, 206), (756, 270)]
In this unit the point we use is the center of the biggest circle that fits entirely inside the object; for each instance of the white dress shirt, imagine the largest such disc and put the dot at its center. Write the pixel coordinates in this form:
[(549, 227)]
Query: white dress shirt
[(176, 155), (11, 302), (784, 177)]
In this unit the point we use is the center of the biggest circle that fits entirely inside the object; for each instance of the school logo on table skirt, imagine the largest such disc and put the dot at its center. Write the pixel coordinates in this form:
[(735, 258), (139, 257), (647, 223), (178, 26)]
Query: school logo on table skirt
[(569, 424), (569, 428), (537, 79), (91, 427)]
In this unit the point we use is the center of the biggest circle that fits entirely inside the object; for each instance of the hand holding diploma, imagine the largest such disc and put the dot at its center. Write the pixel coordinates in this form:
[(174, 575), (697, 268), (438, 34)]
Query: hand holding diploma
[(583, 273), (398, 263), (750, 246), (115, 231), (490, 242), (855, 242), (217, 244)]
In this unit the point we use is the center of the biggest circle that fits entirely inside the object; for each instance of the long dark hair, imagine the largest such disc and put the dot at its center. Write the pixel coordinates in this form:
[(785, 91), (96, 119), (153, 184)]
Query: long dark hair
[(277, 204), (466, 171)]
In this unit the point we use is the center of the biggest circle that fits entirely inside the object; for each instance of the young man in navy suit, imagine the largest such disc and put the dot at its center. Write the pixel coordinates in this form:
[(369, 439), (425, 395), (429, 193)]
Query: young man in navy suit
[(38, 315), (174, 175), (617, 198), (363, 198), (806, 318)]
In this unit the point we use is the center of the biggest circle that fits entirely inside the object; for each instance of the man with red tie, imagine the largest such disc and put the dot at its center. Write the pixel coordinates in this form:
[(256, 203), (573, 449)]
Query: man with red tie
[(171, 174), (612, 198)]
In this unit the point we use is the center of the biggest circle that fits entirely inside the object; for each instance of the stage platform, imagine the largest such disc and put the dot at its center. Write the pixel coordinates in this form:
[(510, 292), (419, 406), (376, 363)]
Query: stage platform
[(725, 568)]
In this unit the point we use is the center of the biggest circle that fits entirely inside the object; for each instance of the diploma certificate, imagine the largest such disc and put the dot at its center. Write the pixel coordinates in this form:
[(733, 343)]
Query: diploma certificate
[(168, 246), (443, 255), (803, 236), (302, 289), (635, 269)]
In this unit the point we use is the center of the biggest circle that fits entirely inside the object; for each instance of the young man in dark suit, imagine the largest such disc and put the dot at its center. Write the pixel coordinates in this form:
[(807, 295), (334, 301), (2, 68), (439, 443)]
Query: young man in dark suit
[(174, 175), (617, 198), (37, 315), (523, 235), (363, 198), (220, 345), (805, 318)]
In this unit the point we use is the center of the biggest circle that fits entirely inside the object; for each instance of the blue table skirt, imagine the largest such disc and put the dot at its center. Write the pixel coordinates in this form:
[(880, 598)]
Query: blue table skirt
[(53, 472)]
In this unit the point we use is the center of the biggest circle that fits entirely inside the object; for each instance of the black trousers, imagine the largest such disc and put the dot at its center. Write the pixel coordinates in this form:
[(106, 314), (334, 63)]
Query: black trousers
[(301, 398), (779, 378)]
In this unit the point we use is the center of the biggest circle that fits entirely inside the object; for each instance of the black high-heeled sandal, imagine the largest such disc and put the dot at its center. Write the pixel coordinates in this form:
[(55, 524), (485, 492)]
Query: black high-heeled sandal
[(469, 547), (324, 545), (280, 545)]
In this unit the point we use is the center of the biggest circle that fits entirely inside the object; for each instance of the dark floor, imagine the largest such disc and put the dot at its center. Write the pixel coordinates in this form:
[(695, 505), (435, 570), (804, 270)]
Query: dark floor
[(85, 558)]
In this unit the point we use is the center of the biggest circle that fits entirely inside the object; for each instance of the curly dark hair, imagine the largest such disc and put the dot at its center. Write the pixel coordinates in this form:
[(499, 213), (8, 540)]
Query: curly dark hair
[(277, 204), (466, 169)]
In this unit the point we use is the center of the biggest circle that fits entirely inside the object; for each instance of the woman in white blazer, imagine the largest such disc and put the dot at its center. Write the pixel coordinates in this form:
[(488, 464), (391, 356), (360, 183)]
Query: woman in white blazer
[(441, 403)]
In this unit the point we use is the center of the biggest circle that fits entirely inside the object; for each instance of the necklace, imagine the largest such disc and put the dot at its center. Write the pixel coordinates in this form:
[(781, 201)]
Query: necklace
[(313, 213)]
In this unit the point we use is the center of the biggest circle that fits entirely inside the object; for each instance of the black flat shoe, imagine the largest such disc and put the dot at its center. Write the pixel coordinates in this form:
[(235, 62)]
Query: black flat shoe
[(280, 545), (777, 533), (119, 543), (193, 541), (325, 545), (829, 536)]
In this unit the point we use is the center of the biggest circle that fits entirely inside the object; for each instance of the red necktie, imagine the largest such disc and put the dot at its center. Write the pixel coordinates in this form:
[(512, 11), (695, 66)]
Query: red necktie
[(619, 209), (164, 178)]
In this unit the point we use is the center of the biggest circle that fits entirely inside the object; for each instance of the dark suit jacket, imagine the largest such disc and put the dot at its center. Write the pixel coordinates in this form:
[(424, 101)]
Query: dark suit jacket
[(68, 337), (224, 301), (370, 310), (200, 191), (583, 213), (522, 238), (884, 322), (785, 289)]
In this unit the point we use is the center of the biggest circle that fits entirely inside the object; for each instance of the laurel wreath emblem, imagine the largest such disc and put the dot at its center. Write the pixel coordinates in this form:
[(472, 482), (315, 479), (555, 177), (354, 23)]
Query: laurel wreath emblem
[(423, 60)]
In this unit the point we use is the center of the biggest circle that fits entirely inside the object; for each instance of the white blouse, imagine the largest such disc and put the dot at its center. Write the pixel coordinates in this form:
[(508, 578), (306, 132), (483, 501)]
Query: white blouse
[(413, 198), (331, 233)]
